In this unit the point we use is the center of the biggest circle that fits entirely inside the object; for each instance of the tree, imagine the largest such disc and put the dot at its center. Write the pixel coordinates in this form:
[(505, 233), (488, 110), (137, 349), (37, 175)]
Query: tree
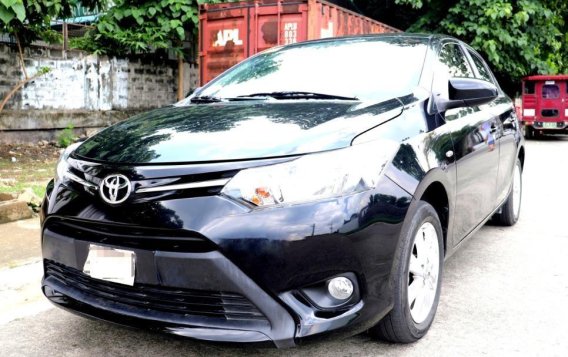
[(518, 38), (29, 20), (134, 26), (141, 26), (391, 12)]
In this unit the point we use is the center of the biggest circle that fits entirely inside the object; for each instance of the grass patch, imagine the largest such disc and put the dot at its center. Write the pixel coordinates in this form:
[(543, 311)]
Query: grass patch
[(20, 176), (39, 190), (19, 187)]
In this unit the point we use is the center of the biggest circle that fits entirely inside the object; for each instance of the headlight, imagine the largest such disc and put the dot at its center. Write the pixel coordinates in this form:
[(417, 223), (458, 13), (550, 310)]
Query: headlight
[(313, 177), (62, 165)]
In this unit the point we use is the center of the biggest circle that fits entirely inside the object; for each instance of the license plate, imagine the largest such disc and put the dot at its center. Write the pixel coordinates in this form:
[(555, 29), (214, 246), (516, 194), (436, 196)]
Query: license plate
[(115, 265), (549, 125)]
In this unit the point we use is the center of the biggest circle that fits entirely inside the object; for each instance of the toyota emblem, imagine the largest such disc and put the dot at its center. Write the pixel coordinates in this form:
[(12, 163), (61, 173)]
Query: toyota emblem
[(115, 189)]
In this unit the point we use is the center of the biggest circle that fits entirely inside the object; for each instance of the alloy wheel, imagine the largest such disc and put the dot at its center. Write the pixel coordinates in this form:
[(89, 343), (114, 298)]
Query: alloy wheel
[(424, 268)]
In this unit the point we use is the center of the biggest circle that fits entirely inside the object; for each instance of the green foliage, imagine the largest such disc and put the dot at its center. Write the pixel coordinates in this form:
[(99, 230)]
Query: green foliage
[(517, 38), (66, 137), (417, 4), (84, 43), (43, 70), (50, 36), (135, 26), (12, 10), (30, 19)]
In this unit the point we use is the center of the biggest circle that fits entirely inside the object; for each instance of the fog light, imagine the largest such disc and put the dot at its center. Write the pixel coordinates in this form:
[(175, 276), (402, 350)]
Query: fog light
[(340, 288)]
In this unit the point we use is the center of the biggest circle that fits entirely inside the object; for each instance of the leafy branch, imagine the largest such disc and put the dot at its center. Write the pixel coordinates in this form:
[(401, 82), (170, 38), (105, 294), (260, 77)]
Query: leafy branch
[(41, 71)]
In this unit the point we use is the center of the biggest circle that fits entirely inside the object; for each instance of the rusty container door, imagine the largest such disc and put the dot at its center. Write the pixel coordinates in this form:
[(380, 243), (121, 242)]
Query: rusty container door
[(329, 20), (223, 40), (282, 23), (231, 32)]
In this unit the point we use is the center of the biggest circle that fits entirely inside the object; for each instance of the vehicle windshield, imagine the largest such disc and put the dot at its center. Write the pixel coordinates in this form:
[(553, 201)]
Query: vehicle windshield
[(363, 68)]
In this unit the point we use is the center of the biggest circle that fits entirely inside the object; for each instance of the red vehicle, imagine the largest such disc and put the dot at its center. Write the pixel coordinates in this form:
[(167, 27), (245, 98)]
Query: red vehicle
[(545, 105), (229, 32)]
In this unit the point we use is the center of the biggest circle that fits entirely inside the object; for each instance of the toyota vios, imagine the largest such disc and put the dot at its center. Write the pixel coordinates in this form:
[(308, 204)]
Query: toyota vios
[(313, 188)]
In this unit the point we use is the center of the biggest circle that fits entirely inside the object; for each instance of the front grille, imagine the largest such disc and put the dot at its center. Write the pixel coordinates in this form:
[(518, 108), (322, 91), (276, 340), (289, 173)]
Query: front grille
[(128, 236), (185, 302), (151, 182)]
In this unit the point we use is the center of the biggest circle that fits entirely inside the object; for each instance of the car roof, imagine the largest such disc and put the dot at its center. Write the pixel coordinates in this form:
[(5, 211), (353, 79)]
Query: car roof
[(546, 77), (428, 38)]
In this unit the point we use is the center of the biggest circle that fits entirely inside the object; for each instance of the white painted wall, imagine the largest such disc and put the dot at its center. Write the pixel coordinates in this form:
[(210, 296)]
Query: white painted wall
[(91, 82)]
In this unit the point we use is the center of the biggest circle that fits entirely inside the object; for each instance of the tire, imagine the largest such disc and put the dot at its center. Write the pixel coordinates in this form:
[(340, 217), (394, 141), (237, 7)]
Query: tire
[(511, 209), (528, 132), (409, 320)]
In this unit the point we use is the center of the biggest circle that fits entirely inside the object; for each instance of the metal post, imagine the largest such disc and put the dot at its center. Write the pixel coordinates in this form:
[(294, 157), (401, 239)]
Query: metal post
[(65, 39)]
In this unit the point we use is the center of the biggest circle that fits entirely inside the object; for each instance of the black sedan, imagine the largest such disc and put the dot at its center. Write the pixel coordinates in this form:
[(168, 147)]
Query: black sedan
[(313, 189)]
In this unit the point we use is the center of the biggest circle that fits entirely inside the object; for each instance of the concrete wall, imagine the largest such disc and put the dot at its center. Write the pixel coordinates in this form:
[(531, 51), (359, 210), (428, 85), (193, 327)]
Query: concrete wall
[(81, 83), (31, 126)]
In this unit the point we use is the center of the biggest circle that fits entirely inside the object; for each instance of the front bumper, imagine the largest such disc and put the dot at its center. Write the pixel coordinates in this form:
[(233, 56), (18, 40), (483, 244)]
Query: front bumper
[(210, 245), (239, 310), (544, 126)]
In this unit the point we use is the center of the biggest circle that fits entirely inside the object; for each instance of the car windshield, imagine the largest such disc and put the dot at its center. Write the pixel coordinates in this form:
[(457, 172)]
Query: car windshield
[(363, 69)]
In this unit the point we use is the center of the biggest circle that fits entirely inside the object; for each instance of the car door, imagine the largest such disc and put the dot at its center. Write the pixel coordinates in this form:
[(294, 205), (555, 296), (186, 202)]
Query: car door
[(550, 100), (476, 151), (507, 129), (565, 101)]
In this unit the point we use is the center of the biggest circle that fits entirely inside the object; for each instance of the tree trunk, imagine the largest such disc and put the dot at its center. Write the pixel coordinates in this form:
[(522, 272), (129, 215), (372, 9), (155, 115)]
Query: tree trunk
[(16, 88), (180, 93), (21, 56)]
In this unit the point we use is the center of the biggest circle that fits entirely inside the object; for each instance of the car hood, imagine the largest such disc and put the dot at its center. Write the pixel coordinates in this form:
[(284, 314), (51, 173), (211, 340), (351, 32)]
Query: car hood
[(235, 131)]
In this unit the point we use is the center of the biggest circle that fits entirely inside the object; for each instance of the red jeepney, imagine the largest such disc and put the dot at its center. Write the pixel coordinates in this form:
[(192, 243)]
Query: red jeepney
[(545, 105)]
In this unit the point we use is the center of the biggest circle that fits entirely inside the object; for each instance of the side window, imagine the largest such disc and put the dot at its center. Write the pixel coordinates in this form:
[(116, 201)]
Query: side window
[(481, 67), (454, 60), (529, 87), (453, 64), (550, 91)]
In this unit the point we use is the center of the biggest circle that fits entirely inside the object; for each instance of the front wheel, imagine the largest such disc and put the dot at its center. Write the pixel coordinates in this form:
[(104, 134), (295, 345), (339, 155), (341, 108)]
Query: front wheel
[(527, 132), (418, 280), (511, 209)]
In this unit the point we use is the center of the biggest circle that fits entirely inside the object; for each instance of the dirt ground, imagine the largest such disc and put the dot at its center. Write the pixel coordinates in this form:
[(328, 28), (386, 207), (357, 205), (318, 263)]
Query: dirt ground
[(23, 166)]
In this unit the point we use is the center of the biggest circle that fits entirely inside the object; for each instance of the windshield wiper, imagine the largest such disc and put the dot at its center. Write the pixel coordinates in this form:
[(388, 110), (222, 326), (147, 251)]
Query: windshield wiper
[(206, 99), (267, 95), (298, 95), (211, 99)]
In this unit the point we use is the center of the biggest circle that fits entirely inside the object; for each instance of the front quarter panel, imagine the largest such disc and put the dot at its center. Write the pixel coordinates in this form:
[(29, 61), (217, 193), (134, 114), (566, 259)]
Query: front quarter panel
[(425, 158)]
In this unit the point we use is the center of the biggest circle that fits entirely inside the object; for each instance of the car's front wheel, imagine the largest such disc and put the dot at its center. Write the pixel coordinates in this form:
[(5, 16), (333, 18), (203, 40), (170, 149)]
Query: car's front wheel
[(418, 279), (511, 209)]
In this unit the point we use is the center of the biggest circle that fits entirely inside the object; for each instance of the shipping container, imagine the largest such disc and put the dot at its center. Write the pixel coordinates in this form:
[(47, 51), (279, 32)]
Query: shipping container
[(545, 105), (231, 32)]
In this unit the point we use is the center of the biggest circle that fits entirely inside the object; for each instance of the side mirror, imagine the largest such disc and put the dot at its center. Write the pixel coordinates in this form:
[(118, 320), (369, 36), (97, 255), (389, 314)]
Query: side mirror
[(467, 92)]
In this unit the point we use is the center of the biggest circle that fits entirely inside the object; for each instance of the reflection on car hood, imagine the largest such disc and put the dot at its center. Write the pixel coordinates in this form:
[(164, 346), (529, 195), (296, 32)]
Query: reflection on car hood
[(235, 130)]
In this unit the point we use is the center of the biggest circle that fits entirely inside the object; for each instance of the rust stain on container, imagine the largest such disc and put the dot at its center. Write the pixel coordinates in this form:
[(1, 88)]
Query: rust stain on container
[(231, 32)]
